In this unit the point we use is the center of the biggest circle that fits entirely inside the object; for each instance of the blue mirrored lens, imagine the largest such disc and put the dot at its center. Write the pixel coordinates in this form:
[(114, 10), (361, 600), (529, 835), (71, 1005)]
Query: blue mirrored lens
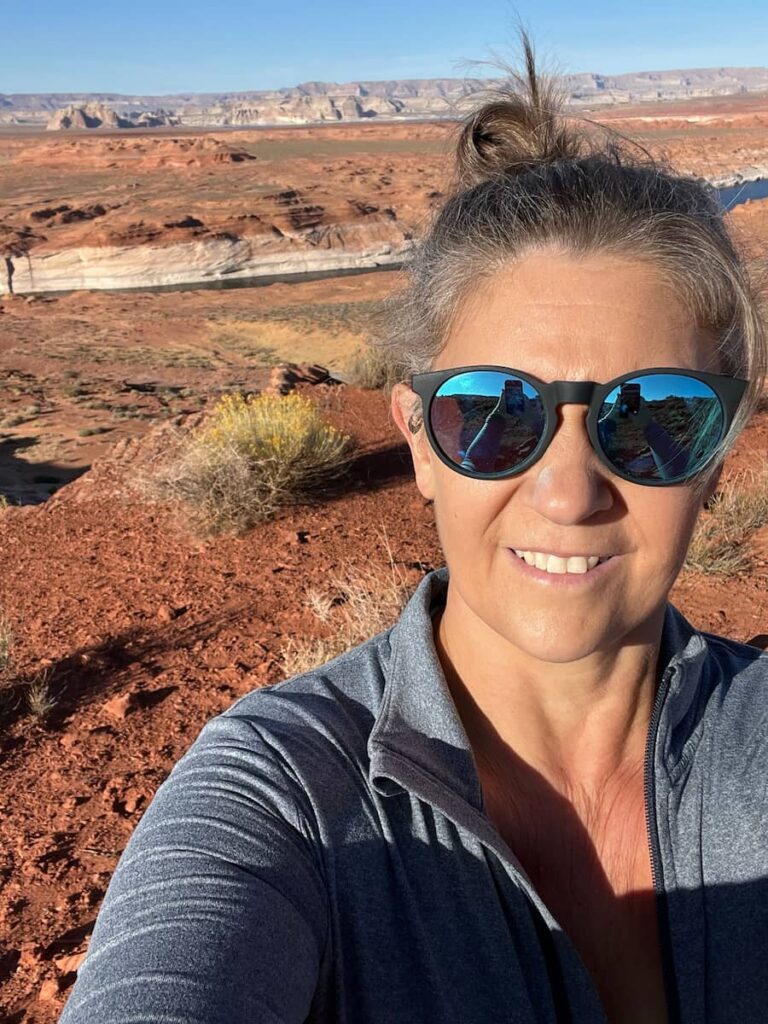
[(487, 421), (661, 426)]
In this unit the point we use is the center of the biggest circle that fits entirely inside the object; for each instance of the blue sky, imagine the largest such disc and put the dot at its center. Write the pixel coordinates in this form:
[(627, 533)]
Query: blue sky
[(169, 46)]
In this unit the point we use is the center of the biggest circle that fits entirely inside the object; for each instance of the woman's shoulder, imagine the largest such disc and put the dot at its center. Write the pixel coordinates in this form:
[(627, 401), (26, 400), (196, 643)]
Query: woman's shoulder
[(312, 726), (341, 692), (735, 682), (737, 658)]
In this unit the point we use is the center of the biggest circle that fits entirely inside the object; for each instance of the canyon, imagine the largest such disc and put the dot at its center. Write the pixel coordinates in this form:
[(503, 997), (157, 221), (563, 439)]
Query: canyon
[(167, 207)]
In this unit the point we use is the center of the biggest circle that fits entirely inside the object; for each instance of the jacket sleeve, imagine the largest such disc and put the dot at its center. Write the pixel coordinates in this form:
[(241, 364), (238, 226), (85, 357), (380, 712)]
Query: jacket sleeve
[(216, 912)]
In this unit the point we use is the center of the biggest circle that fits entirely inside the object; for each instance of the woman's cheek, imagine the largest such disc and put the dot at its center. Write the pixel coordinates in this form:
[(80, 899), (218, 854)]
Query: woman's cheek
[(459, 522)]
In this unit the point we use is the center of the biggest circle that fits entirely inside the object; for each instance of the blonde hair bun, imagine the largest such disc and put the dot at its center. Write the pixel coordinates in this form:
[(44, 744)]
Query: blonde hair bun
[(522, 124)]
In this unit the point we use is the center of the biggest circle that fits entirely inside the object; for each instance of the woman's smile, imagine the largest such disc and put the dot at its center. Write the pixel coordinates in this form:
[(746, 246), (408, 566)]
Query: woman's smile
[(565, 579)]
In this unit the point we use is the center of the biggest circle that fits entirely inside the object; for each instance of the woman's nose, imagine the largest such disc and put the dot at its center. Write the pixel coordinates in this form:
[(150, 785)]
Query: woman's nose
[(569, 483)]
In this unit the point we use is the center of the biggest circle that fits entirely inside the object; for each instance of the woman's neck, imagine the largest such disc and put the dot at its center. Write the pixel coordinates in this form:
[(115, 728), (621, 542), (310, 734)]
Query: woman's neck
[(577, 724)]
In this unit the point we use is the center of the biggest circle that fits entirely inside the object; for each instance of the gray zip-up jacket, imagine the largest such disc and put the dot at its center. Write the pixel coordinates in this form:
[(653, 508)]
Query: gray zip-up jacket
[(321, 853)]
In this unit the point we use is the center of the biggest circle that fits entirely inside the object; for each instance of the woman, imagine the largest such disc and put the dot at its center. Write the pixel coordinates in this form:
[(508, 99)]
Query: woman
[(540, 796)]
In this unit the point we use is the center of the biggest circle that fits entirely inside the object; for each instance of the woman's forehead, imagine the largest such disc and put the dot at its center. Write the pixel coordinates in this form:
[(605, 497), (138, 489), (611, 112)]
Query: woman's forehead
[(568, 319)]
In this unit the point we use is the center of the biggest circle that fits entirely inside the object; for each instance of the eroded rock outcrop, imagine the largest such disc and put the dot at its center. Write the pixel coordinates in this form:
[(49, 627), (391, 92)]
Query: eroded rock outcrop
[(206, 260), (99, 115)]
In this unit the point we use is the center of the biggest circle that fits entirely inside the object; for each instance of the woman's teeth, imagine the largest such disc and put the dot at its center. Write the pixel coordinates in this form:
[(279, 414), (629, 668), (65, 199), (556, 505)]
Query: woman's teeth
[(555, 564)]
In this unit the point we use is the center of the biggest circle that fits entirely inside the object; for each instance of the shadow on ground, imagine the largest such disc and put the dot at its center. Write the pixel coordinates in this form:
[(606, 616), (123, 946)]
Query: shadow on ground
[(30, 483)]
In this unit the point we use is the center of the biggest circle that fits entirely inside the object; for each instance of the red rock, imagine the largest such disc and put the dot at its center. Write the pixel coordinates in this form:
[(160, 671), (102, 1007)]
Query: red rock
[(49, 991), (31, 956), (165, 613), (120, 705), (286, 376), (133, 799)]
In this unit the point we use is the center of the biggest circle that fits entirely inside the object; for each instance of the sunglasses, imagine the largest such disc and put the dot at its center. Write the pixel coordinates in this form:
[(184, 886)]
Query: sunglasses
[(655, 427)]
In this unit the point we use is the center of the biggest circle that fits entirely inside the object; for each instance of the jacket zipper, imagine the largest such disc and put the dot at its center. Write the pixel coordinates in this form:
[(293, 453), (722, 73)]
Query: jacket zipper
[(651, 824)]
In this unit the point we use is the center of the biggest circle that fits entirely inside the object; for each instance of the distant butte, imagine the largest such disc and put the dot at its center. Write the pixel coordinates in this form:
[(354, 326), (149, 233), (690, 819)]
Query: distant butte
[(97, 115)]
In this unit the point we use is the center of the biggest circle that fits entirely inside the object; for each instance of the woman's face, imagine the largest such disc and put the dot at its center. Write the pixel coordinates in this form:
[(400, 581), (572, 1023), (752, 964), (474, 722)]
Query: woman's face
[(563, 318)]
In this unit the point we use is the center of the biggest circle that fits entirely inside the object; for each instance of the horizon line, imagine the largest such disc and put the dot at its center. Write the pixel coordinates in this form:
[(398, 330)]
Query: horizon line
[(370, 81)]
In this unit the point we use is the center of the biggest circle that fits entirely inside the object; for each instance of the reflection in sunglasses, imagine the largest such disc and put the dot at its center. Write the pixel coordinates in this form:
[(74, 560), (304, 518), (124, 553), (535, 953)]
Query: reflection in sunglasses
[(667, 437)]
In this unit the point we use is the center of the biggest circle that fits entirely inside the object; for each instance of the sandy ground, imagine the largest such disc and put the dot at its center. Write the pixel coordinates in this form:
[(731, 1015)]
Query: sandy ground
[(116, 363), (144, 633)]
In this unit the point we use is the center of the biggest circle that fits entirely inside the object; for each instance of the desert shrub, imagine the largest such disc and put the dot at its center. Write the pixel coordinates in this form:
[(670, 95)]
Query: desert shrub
[(719, 544), (366, 600), (372, 367), (40, 700), (250, 456)]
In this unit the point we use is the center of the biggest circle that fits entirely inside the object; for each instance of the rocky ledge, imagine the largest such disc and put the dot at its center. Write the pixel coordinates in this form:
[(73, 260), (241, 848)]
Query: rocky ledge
[(201, 262)]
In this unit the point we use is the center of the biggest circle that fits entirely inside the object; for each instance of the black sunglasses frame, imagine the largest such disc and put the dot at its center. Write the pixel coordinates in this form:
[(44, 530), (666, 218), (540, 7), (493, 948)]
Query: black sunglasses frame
[(729, 390)]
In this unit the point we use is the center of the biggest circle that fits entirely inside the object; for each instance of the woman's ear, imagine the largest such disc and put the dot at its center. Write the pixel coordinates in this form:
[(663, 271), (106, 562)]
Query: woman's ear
[(406, 412)]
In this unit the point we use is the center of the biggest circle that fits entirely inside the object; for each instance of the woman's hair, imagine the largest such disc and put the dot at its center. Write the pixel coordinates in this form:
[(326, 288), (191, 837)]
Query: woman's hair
[(527, 179)]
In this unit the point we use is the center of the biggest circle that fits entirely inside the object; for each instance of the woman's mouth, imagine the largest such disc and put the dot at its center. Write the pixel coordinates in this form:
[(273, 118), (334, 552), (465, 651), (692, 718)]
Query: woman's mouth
[(576, 571)]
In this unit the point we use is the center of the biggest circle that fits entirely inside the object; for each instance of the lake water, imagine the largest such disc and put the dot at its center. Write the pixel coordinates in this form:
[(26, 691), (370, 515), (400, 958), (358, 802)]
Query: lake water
[(225, 284), (735, 194)]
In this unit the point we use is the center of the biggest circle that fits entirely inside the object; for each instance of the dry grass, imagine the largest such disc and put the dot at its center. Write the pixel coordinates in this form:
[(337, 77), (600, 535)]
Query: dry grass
[(40, 701), (6, 648), (145, 356), (6, 663), (365, 601), (719, 545), (232, 341), (249, 457), (372, 367)]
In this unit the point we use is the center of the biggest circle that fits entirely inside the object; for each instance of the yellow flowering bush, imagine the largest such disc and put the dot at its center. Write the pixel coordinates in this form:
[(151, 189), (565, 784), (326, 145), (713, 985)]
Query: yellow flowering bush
[(288, 428), (252, 454)]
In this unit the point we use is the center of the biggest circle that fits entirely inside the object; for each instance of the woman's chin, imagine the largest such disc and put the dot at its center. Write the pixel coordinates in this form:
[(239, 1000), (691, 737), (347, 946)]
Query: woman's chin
[(555, 636)]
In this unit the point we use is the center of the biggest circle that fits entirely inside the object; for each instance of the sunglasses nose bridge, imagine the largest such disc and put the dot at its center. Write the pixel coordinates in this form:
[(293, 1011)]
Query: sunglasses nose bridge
[(570, 392), (573, 391)]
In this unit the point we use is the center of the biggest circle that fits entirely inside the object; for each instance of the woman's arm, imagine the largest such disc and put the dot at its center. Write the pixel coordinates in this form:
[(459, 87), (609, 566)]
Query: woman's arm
[(670, 457), (484, 449), (216, 912)]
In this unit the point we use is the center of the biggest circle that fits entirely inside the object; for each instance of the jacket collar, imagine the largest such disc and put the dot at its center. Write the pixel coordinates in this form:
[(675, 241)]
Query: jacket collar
[(418, 733)]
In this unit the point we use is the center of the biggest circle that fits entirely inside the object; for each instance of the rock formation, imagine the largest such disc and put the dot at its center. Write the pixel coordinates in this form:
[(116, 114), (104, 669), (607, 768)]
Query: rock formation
[(98, 115), (331, 101), (89, 115)]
